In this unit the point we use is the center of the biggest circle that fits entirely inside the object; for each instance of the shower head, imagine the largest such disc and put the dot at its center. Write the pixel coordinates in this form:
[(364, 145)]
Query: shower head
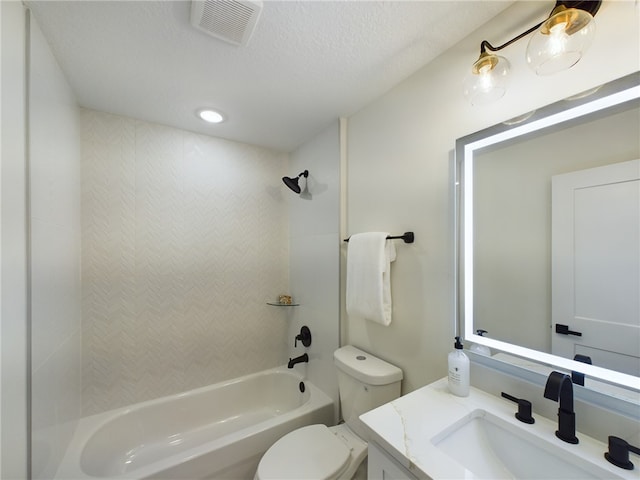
[(292, 183)]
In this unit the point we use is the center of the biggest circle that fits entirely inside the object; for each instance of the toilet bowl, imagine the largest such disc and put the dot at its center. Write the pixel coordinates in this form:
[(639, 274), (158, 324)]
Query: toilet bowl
[(320, 452)]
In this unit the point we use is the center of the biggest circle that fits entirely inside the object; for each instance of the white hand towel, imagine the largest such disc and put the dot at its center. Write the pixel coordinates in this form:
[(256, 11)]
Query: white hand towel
[(369, 258)]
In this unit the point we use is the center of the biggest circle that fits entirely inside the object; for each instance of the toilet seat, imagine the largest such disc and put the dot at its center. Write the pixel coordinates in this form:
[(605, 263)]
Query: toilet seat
[(309, 452)]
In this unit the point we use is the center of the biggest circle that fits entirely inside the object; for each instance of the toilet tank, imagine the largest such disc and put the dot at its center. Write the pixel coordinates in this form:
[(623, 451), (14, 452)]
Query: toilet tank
[(365, 382)]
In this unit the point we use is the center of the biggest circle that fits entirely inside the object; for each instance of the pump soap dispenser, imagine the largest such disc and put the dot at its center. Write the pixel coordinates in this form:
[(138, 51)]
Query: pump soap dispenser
[(458, 371)]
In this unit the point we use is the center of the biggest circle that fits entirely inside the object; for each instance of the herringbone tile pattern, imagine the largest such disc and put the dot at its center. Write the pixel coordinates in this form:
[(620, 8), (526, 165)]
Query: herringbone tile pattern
[(185, 237)]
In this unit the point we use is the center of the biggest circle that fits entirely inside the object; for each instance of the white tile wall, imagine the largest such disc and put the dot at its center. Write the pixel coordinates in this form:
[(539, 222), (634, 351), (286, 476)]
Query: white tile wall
[(315, 256), (185, 239)]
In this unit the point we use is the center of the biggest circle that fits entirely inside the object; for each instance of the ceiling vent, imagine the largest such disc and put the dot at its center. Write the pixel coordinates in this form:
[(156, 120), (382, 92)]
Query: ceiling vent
[(230, 20)]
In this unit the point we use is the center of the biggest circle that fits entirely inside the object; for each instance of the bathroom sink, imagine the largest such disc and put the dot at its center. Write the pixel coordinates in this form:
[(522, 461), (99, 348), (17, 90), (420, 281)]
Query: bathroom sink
[(490, 447)]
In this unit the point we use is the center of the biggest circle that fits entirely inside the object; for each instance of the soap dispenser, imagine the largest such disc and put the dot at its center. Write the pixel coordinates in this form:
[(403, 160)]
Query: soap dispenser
[(480, 349), (458, 370)]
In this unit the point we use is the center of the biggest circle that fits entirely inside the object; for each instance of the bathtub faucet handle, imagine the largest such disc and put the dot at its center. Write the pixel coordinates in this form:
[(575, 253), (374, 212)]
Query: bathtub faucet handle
[(304, 336)]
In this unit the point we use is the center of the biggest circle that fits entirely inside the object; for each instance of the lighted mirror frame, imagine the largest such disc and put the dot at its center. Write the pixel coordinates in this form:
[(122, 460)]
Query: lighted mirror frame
[(609, 98)]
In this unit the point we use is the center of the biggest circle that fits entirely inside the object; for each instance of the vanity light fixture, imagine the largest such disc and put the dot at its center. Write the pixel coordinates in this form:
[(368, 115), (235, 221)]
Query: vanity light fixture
[(210, 116), (557, 44)]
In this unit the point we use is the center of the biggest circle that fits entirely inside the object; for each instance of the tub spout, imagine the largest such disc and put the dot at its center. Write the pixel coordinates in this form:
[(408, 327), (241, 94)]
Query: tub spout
[(302, 358)]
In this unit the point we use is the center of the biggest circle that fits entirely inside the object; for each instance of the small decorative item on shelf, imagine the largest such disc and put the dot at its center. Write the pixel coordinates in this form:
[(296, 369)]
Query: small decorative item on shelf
[(282, 301), (285, 299)]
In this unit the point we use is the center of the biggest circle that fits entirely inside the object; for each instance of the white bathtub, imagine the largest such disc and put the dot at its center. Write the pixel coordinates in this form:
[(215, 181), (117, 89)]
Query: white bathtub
[(220, 431)]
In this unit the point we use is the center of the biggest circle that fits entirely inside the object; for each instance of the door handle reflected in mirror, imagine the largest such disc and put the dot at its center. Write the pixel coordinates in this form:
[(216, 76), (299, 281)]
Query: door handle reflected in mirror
[(564, 330)]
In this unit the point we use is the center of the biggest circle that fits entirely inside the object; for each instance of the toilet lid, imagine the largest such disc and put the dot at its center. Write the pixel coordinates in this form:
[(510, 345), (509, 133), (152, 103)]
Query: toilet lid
[(309, 452)]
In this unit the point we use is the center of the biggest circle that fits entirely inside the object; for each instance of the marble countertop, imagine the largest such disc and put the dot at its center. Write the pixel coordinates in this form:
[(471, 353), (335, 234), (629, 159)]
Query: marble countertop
[(405, 427)]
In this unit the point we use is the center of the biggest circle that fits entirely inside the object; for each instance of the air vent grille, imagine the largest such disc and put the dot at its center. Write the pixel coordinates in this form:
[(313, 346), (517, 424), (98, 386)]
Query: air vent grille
[(230, 20)]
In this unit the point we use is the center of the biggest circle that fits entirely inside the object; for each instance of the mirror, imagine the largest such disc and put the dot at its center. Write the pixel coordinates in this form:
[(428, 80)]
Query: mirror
[(548, 214)]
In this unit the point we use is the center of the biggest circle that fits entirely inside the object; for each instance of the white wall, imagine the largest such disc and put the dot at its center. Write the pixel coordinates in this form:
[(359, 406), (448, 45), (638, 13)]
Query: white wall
[(54, 178), (399, 171), (184, 241), (315, 244), (13, 255)]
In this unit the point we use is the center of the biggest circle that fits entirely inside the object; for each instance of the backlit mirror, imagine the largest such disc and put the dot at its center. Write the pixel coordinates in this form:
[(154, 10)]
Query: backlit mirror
[(548, 218)]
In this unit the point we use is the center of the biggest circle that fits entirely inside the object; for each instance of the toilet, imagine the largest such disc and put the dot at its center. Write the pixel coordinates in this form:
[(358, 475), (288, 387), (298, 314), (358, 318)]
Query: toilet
[(320, 452)]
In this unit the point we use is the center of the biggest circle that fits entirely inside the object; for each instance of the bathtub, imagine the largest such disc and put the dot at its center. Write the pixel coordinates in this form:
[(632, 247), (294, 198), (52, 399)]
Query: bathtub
[(219, 431)]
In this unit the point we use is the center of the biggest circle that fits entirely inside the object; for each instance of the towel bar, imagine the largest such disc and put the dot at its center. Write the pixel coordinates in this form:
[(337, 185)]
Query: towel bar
[(408, 237)]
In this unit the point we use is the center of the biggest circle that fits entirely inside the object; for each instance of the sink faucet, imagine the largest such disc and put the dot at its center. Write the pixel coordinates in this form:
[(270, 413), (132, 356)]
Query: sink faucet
[(302, 358), (560, 387)]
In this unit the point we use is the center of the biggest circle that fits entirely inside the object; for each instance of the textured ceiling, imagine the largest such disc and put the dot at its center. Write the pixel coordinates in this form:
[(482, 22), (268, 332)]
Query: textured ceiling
[(307, 63)]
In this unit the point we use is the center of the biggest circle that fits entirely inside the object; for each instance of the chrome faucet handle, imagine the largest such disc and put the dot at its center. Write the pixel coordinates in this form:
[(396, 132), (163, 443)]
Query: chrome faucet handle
[(618, 453)]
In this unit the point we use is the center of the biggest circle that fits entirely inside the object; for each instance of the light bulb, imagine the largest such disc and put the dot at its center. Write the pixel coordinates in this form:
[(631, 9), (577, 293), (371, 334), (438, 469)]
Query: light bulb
[(558, 39), (487, 80), (561, 41)]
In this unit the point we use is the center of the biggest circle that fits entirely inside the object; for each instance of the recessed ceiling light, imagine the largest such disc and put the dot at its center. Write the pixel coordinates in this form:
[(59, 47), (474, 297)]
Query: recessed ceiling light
[(210, 116)]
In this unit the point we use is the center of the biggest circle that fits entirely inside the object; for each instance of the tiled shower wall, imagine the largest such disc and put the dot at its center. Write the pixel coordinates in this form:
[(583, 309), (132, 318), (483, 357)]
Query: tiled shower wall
[(184, 239)]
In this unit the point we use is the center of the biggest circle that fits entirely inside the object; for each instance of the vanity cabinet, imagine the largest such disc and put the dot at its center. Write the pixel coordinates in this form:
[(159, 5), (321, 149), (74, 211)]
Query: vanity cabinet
[(381, 466)]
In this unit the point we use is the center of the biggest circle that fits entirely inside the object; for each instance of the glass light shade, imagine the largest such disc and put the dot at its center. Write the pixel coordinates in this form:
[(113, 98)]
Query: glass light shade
[(560, 41), (487, 81)]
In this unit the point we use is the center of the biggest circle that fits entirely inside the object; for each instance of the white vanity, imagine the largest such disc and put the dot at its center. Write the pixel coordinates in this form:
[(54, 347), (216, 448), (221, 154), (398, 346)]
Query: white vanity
[(431, 433)]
